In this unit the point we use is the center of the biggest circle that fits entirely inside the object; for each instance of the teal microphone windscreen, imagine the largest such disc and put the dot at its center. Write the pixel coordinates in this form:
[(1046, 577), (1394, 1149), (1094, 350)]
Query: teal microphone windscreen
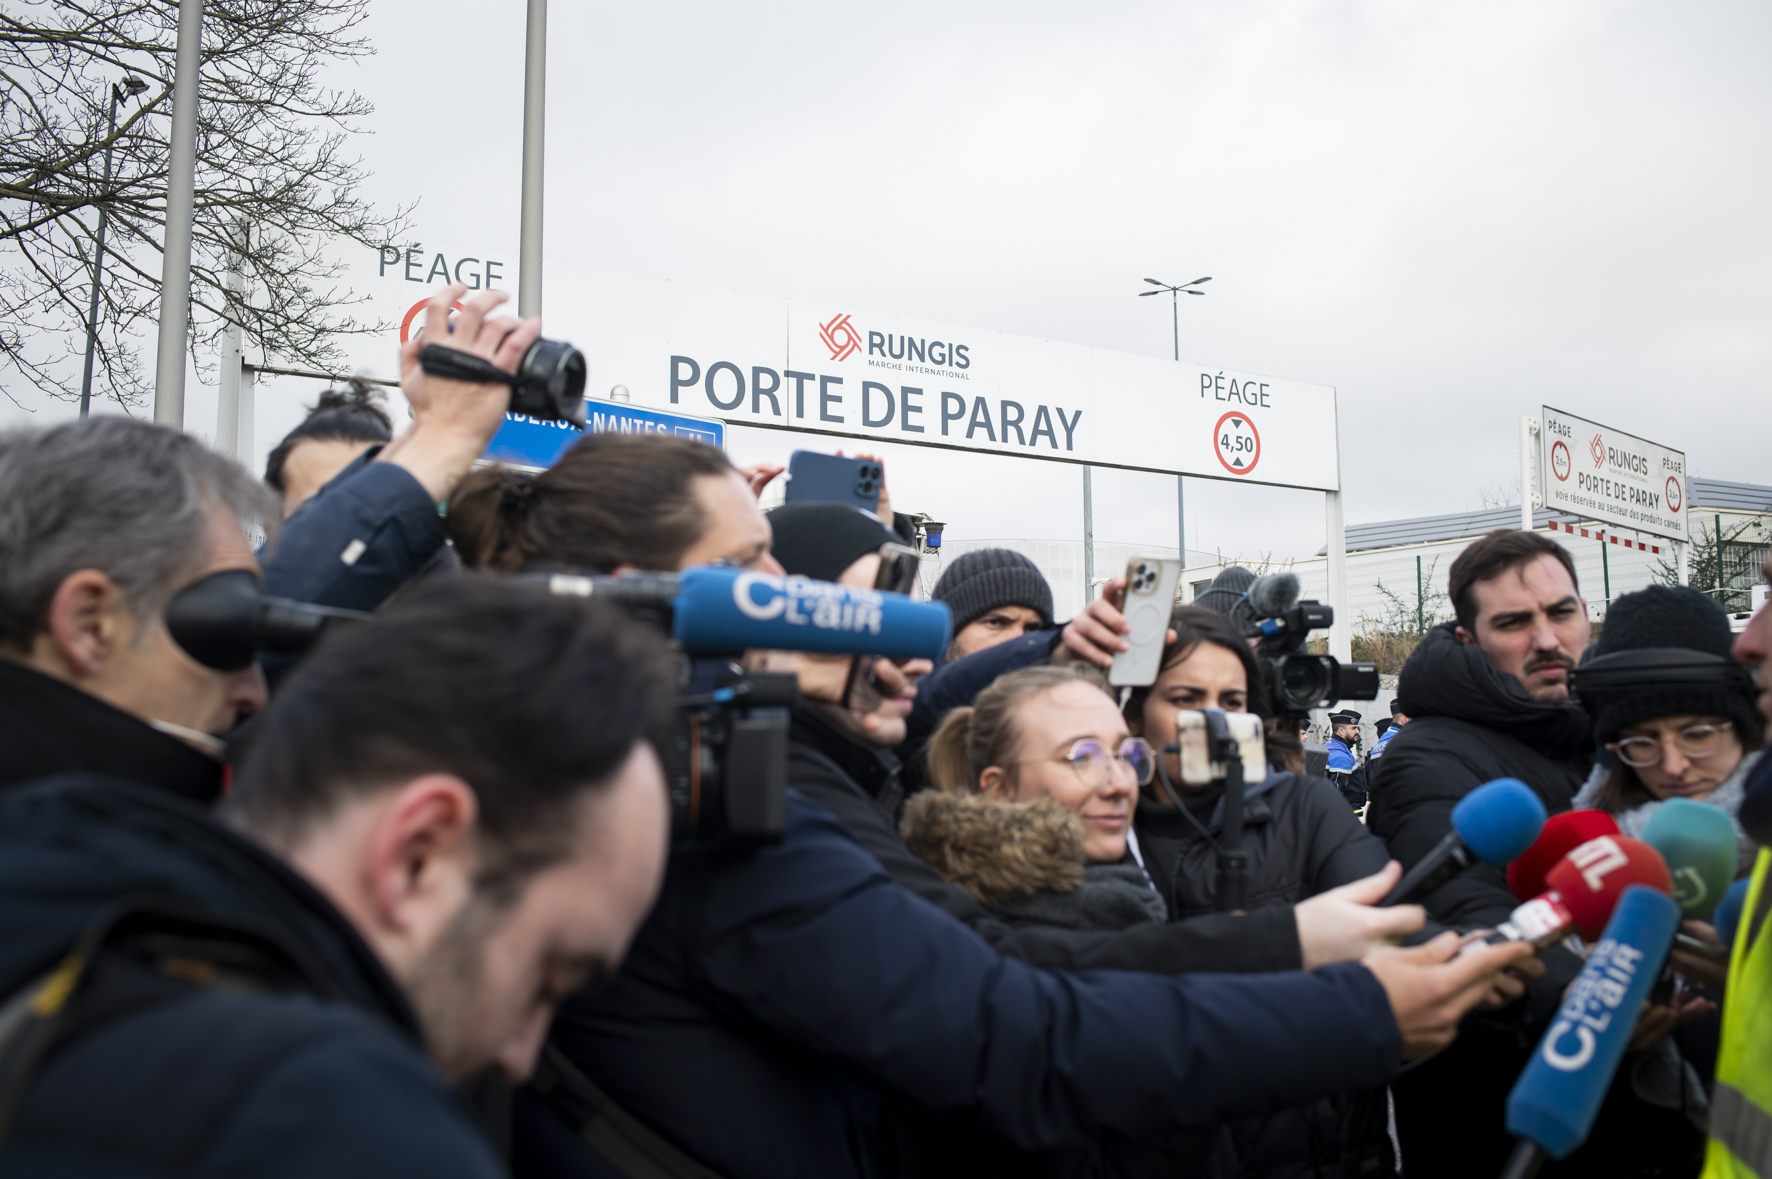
[(1698, 843)]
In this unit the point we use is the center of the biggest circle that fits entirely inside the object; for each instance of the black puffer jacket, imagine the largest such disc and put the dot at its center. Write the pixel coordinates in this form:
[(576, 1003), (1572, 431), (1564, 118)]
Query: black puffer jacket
[(210, 1081), (1301, 840), (1468, 725)]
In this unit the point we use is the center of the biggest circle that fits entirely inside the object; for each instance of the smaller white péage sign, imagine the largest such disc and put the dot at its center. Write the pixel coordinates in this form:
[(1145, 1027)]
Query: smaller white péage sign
[(1603, 474)]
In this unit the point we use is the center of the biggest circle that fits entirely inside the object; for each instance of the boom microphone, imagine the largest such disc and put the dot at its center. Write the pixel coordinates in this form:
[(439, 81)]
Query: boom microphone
[(223, 621), (1698, 843), (1562, 834), (1493, 823), (1273, 594), (1553, 1105)]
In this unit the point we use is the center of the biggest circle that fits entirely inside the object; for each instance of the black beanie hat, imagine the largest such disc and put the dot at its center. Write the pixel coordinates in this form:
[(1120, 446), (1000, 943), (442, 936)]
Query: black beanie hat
[(1227, 589), (984, 579), (1668, 616), (820, 540)]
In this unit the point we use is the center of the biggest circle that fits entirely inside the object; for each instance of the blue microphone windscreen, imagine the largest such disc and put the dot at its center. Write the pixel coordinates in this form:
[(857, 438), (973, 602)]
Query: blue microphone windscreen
[(1728, 916), (722, 609), (1557, 1097), (1499, 820), (1698, 843)]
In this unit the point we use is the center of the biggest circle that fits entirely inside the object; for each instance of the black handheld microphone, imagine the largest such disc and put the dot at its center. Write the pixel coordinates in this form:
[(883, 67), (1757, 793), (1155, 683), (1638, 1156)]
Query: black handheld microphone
[(1493, 823)]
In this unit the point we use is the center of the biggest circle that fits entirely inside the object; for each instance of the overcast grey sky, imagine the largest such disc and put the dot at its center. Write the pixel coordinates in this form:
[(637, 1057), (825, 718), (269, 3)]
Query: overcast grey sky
[(1451, 212)]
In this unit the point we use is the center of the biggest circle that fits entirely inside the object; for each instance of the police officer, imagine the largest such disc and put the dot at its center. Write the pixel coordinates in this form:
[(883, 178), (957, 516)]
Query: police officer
[(1345, 769), (1398, 719)]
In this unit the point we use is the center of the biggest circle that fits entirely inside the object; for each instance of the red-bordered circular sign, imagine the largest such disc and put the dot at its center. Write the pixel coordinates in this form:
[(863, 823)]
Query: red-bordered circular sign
[(1238, 444), (1673, 494), (1560, 463), (412, 314)]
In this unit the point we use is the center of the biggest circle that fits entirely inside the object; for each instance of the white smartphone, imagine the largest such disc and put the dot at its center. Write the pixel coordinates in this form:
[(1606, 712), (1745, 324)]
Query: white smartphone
[(1147, 602), (1197, 766)]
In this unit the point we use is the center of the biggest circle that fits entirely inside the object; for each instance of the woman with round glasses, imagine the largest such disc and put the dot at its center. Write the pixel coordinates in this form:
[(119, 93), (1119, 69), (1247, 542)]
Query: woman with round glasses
[(1038, 782), (1693, 737)]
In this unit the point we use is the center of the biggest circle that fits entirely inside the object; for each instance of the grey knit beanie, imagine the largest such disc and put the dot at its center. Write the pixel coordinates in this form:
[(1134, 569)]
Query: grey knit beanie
[(1227, 589), (1669, 616), (981, 581)]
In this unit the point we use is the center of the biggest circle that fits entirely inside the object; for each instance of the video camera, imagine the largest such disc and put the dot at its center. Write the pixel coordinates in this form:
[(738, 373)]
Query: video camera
[(726, 760), (549, 382), (1298, 681)]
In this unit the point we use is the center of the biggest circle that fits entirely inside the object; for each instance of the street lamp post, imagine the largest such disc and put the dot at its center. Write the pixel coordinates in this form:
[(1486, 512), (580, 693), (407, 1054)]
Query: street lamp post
[(129, 87), (1174, 293)]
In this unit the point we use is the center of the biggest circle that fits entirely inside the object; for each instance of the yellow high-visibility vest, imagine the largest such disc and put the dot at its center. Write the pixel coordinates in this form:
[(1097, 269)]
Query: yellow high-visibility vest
[(1740, 1144)]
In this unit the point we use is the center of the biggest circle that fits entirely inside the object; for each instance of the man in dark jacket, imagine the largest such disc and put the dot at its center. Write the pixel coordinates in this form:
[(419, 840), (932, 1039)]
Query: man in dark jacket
[(1488, 697), (104, 521), (407, 869)]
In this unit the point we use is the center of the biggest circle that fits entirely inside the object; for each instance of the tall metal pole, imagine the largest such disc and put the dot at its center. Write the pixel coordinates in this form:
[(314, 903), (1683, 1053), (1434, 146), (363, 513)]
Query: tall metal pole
[(230, 439), (98, 266), (181, 198), (1180, 484), (1528, 428), (535, 96), (1088, 539)]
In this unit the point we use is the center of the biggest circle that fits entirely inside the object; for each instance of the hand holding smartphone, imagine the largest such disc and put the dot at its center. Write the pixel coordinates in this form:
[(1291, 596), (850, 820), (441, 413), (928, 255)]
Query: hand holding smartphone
[(1148, 599)]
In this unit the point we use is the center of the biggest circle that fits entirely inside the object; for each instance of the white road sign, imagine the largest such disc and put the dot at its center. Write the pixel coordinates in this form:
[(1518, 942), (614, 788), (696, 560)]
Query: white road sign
[(823, 368), (1602, 474)]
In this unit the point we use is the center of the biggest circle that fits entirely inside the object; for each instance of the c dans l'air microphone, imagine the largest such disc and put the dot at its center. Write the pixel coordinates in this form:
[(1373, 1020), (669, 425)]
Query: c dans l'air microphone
[(1698, 843), (712, 608), (1582, 890), (1552, 1107), (1493, 823), (1562, 834)]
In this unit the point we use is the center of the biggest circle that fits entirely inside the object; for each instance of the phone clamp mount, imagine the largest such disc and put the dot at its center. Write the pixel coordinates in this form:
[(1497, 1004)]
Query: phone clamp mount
[(1227, 750)]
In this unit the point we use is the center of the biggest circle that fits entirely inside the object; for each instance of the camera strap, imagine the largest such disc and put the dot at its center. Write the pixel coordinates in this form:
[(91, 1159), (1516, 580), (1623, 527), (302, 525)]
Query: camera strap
[(456, 365), (633, 1149)]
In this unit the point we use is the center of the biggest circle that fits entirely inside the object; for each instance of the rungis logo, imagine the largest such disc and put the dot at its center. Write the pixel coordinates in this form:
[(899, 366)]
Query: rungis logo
[(1597, 448), (840, 337)]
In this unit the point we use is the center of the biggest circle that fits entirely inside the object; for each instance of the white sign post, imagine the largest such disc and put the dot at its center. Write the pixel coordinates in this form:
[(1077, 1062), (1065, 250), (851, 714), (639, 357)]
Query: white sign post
[(1596, 472)]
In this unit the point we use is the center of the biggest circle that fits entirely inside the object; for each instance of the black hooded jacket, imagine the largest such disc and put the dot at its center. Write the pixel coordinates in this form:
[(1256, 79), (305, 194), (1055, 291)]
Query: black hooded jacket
[(1470, 724), (218, 1080)]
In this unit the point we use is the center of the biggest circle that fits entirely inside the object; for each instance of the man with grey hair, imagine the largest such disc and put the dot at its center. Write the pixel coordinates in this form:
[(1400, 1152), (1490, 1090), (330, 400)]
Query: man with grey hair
[(101, 523), (104, 521)]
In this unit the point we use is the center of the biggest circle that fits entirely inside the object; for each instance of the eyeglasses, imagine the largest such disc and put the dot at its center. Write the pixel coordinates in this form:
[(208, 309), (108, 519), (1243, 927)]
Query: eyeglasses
[(1089, 760), (1695, 741)]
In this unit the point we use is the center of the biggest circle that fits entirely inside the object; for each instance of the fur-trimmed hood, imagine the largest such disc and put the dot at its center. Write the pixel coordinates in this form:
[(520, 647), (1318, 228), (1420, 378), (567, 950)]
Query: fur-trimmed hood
[(997, 851)]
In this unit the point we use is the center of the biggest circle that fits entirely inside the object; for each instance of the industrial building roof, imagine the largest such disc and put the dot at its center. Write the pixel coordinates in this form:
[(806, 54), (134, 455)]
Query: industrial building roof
[(1716, 495), (1720, 495)]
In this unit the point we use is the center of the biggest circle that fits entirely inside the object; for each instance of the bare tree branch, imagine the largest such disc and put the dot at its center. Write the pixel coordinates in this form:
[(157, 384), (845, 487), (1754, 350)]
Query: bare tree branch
[(276, 191)]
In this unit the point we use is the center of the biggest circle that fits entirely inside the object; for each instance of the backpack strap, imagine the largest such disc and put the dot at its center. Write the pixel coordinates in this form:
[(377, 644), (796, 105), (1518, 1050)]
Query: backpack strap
[(140, 951), (628, 1145)]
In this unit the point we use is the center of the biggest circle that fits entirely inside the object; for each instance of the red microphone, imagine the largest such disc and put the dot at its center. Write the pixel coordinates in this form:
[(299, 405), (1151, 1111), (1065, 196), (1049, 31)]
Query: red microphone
[(1562, 834), (1583, 889)]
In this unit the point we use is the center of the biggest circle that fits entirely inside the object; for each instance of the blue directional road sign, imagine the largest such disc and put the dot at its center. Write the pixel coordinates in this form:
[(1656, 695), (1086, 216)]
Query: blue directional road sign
[(535, 442)]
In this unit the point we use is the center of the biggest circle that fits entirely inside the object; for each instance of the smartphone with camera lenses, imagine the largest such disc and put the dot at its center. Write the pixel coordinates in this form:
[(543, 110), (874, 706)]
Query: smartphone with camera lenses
[(1147, 601), (831, 478)]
